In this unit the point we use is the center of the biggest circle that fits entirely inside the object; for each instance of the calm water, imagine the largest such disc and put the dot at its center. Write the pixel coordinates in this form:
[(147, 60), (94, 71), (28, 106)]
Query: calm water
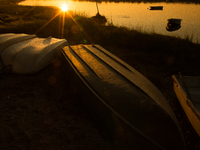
[(138, 16)]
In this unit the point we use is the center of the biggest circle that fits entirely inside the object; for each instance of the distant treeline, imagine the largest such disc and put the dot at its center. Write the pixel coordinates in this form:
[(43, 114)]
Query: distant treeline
[(117, 1), (10, 1), (145, 1)]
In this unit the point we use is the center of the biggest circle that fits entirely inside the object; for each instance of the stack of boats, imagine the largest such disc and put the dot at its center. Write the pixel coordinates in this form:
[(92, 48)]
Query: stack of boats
[(26, 53), (119, 93)]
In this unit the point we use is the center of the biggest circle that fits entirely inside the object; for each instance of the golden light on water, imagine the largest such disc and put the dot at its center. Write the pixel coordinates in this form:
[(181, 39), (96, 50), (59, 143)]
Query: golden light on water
[(64, 7), (62, 14)]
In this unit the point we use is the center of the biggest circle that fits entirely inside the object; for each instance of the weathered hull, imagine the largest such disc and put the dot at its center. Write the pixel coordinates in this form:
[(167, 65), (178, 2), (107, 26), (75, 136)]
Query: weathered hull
[(189, 102), (28, 54), (127, 98)]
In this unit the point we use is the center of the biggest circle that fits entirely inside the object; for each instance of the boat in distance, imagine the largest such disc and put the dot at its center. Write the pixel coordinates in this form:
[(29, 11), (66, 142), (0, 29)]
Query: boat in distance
[(187, 90), (156, 8), (173, 24), (126, 97)]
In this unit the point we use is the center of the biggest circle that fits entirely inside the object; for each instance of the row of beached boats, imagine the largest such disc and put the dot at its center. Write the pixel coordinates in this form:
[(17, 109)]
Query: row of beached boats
[(121, 97)]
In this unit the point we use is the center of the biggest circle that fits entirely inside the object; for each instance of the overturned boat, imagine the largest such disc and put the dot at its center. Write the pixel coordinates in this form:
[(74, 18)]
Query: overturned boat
[(28, 54), (187, 90), (121, 95)]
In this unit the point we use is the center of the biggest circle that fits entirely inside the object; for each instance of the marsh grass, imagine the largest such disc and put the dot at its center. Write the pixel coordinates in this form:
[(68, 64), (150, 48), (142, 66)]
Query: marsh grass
[(189, 37), (77, 26)]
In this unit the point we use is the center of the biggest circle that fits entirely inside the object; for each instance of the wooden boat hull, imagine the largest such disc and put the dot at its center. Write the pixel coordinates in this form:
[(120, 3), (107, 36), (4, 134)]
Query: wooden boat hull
[(31, 55), (124, 96), (191, 107)]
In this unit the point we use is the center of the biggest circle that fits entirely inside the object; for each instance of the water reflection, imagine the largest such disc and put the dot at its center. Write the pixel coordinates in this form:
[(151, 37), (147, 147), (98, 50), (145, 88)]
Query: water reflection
[(64, 7), (137, 16)]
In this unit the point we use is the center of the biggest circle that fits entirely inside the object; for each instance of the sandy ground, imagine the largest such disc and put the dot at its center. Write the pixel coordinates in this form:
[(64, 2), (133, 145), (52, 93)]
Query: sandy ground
[(42, 111)]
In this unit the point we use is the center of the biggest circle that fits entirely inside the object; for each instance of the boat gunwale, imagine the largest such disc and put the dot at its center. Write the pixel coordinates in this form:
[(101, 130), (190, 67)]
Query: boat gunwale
[(188, 100)]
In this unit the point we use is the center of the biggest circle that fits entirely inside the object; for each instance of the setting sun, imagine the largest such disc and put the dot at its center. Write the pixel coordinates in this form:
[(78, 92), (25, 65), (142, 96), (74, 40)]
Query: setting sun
[(64, 7)]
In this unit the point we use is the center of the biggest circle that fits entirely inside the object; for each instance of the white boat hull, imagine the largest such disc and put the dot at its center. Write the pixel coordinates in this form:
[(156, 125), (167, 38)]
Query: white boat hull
[(31, 55), (9, 39)]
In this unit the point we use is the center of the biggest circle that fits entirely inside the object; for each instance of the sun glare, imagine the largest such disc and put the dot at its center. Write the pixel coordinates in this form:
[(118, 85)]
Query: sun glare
[(64, 7)]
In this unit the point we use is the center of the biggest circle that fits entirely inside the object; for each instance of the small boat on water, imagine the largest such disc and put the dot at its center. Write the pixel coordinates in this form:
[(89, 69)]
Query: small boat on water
[(27, 53), (187, 89), (123, 96), (156, 8), (173, 24)]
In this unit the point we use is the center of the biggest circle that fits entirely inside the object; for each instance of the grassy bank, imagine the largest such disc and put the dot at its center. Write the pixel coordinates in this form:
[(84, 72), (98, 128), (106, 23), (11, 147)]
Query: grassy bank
[(173, 53), (156, 56)]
